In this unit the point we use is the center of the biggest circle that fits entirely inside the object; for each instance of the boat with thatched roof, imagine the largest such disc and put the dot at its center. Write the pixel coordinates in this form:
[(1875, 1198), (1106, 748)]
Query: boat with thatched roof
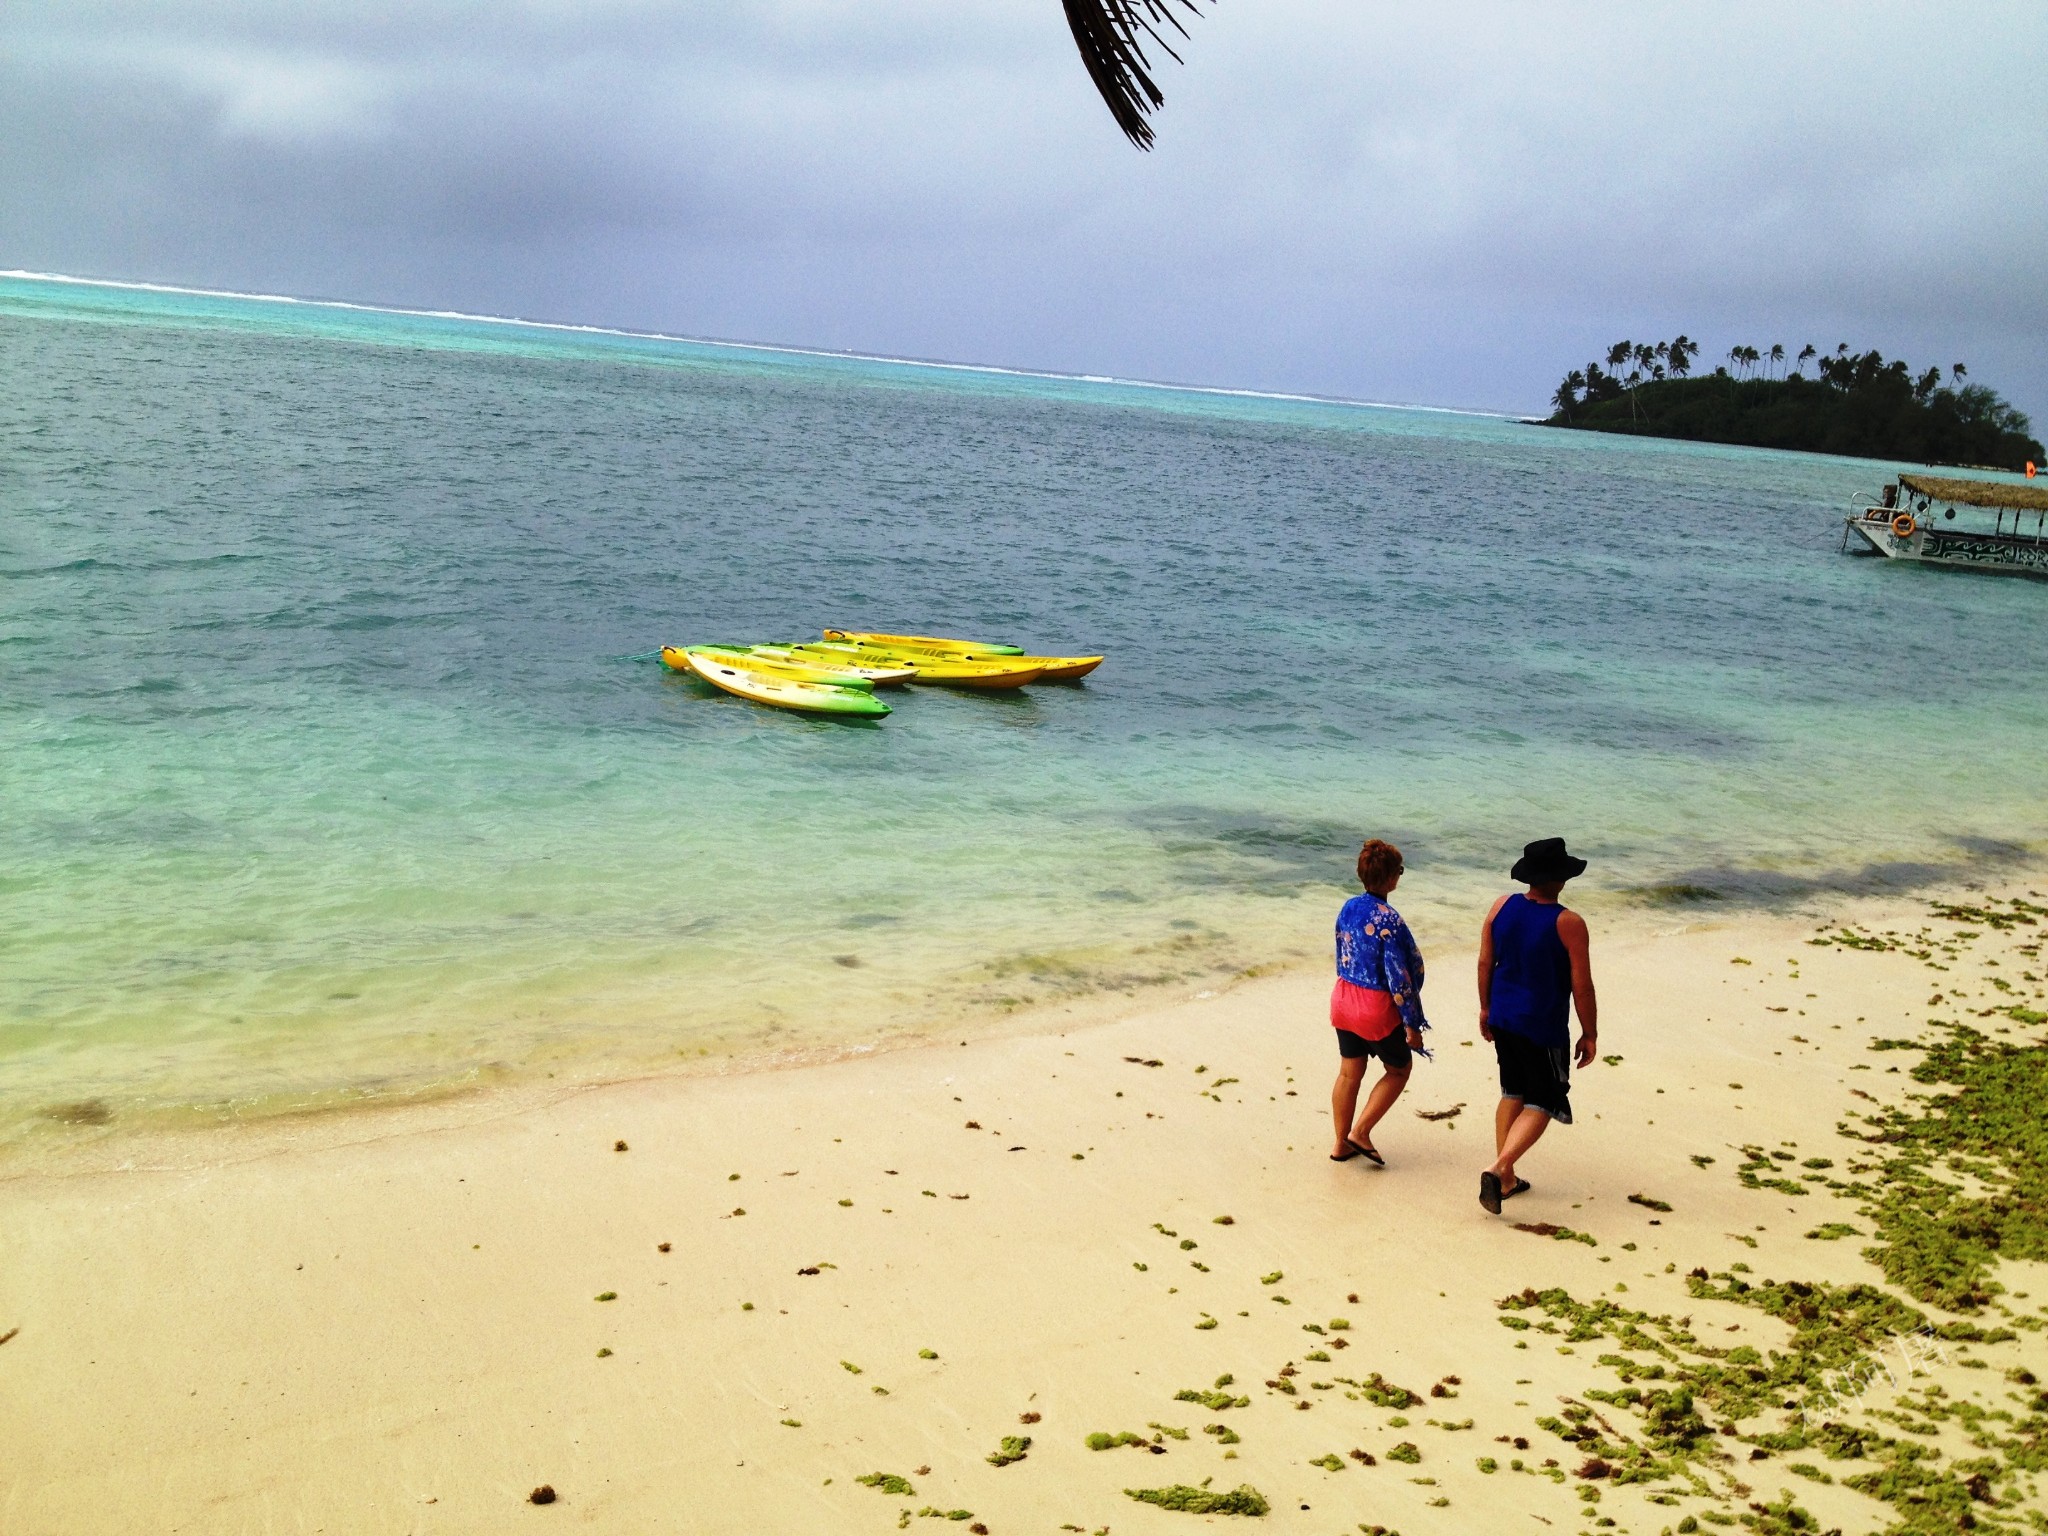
[(1936, 520)]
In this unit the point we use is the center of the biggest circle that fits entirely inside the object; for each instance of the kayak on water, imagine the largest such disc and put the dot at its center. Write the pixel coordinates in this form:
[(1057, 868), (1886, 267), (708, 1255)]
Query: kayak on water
[(780, 661), (881, 677), (784, 692), (1003, 672), (1053, 668), (925, 642), (677, 658)]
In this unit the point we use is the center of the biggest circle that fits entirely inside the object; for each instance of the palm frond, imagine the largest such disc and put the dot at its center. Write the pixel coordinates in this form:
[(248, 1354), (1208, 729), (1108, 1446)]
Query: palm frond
[(1112, 35)]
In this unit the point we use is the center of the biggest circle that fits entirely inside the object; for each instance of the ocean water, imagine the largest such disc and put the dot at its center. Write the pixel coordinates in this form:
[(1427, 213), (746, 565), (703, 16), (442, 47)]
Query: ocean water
[(323, 775)]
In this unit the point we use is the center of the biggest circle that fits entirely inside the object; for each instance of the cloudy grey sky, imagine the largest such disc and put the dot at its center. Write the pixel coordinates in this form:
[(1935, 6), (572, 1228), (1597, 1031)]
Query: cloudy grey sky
[(1446, 203)]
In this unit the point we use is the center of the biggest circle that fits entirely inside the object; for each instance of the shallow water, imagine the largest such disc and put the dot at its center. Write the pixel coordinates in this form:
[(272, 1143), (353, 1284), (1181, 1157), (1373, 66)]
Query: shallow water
[(322, 775)]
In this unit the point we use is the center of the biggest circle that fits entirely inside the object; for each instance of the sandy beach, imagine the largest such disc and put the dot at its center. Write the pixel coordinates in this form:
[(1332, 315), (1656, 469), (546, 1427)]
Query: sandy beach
[(718, 1304)]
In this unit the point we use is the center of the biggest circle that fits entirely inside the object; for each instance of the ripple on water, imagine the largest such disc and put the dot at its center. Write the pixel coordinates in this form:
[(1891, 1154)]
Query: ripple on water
[(324, 779)]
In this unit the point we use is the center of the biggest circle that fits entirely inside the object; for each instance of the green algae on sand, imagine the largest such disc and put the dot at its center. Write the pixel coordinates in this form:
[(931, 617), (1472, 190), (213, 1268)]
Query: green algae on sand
[(1012, 1448), (1377, 1389), (1103, 1440), (1241, 1500), (1562, 1234), (1215, 1402)]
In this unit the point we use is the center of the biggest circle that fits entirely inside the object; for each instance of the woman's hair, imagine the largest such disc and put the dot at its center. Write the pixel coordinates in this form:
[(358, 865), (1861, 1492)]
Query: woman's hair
[(1378, 862)]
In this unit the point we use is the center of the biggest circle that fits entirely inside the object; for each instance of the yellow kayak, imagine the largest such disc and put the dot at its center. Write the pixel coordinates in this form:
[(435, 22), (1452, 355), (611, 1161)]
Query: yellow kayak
[(781, 661), (677, 659), (1004, 672), (1053, 668), (880, 677), (923, 642), (785, 692), (1063, 669)]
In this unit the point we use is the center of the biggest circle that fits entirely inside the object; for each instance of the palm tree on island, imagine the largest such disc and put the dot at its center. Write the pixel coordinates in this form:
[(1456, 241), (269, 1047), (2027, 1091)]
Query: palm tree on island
[(1567, 397), (1860, 404)]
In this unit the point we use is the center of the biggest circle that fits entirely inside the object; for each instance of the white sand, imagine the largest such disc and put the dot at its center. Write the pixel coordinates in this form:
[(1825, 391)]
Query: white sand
[(387, 1323)]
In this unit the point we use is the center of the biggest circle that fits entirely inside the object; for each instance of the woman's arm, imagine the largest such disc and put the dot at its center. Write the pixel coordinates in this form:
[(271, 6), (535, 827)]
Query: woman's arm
[(1571, 932), (1486, 969), (1401, 971)]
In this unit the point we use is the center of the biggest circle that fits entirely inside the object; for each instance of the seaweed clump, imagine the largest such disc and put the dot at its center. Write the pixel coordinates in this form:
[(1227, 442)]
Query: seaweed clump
[(887, 1482), (1936, 1240), (1842, 1338), (1377, 1389), (1217, 1401), (1552, 1229), (1103, 1440), (1244, 1499), (1013, 1448)]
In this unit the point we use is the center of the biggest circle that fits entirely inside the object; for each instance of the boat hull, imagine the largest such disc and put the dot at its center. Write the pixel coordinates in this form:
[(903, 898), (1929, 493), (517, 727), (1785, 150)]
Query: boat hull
[(1052, 669), (786, 692), (677, 659), (1954, 549)]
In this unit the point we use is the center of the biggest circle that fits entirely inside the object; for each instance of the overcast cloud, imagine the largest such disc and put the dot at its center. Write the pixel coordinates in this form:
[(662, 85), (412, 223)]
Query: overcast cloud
[(1447, 203)]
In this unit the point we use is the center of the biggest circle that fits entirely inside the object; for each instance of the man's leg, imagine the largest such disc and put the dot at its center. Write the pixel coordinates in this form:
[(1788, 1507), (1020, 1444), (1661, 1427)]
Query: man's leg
[(1378, 1102), (1344, 1099), (1503, 1117), (1527, 1130)]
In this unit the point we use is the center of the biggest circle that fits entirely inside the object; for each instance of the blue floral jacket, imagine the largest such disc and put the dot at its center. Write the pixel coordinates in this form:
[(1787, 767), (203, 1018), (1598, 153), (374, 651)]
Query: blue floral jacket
[(1375, 950)]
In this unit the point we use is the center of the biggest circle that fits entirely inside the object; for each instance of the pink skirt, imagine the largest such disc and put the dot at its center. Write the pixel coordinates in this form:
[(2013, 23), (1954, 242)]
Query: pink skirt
[(1369, 1014)]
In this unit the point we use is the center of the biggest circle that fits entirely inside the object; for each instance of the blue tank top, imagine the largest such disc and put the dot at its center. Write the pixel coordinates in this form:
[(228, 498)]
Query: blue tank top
[(1532, 974)]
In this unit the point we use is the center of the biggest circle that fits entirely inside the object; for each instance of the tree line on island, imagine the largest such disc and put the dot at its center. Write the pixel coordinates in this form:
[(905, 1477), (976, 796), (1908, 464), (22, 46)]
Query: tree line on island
[(1854, 403)]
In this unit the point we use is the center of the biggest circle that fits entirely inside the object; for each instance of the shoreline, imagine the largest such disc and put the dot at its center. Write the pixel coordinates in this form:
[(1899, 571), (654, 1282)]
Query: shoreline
[(50, 1143), (787, 1281)]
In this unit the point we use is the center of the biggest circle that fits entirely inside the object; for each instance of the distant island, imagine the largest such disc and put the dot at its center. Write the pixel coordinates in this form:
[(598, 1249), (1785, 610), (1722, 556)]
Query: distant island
[(1856, 403)]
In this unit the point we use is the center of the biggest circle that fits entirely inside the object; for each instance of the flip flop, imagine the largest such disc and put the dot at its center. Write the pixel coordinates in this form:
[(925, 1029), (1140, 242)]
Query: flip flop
[(1367, 1152), (1350, 1151), (1489, 1192), (1521, 1187)]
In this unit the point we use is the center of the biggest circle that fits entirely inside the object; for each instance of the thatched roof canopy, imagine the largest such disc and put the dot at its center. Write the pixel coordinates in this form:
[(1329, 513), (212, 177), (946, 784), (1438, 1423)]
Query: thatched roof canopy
[(1978, 493)]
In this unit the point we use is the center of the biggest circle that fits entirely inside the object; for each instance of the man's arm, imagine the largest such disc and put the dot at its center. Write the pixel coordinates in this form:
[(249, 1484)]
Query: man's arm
[(1486, 970), (1571, 932)]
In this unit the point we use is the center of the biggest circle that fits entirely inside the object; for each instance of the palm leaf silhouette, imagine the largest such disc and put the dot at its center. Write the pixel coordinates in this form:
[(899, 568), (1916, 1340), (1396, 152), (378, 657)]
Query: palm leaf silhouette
[(1112, 36)]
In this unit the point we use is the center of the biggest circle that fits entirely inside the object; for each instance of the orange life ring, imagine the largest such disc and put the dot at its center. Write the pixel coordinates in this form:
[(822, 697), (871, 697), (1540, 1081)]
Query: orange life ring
[(1903, 525)]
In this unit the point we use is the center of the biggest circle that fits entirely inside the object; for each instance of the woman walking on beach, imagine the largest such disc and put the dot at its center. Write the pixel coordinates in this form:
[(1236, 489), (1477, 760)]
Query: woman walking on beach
[(1534, 967), (1377, 1004)]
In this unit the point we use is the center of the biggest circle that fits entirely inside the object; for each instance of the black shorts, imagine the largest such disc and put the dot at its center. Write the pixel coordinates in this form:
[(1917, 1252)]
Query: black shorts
[(1538, 1075), (1393, 1051)]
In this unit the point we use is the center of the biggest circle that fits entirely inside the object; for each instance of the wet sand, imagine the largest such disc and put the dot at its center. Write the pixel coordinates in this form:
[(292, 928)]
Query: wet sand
[(715, 1304)]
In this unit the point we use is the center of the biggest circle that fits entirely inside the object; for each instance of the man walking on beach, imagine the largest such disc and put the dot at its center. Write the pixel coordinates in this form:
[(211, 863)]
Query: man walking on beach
[(1534, 967)]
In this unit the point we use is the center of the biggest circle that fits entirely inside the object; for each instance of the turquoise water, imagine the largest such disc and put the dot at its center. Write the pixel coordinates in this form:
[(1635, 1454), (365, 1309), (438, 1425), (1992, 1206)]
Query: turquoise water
[(322, 775)]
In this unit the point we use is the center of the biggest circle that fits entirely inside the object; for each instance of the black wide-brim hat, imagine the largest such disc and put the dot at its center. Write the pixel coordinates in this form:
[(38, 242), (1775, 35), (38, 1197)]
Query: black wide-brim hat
[(1545, 860)]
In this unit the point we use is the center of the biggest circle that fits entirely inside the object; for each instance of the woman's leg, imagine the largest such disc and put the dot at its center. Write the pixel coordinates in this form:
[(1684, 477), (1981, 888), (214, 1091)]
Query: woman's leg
[(1378, 1102), (1344, 1097)]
